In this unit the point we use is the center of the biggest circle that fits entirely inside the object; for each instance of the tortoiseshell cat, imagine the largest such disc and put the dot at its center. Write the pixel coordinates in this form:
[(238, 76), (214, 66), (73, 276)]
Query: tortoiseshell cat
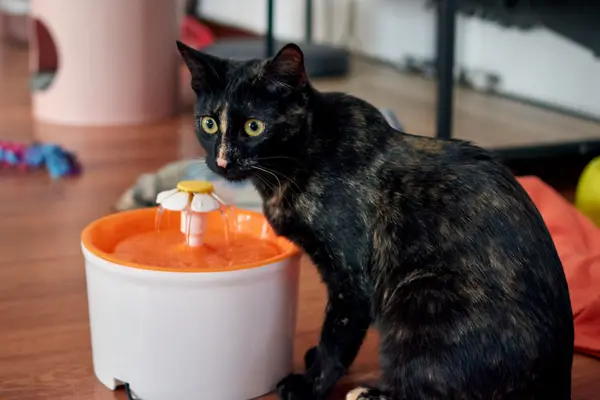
[(432, 242)]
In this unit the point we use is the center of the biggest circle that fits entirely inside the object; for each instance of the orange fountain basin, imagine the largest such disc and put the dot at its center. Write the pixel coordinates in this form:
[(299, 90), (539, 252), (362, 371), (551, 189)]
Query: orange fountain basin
[(131, 239)]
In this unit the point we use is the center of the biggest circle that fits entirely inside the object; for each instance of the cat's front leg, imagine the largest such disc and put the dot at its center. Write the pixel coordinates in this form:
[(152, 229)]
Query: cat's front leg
[(347, 319)]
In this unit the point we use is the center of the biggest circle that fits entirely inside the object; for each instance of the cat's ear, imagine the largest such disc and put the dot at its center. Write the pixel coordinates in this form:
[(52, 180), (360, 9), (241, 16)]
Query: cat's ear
[(285, 71), (207, 71)]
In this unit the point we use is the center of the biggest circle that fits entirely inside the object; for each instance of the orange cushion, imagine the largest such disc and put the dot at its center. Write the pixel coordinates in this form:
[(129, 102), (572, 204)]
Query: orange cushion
[(577, 240)]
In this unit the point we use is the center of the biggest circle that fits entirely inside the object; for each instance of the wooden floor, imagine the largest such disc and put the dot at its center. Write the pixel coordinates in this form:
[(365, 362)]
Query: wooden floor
[(491, 122), (44, 335)]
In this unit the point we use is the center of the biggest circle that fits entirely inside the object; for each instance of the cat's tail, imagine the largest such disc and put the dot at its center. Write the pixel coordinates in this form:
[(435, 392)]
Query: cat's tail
[(364, 393)]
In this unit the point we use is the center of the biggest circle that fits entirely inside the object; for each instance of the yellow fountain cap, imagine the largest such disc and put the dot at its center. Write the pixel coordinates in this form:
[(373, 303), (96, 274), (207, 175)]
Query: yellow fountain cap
[(196, 187)]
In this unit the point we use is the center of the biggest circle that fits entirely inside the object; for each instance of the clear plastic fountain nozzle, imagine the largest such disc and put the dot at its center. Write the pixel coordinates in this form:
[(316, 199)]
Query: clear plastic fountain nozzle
[(193, 199)]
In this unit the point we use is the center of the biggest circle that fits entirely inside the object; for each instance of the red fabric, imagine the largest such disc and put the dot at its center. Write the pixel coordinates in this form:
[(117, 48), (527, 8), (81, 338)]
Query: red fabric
[(196, 34), (577, 240)]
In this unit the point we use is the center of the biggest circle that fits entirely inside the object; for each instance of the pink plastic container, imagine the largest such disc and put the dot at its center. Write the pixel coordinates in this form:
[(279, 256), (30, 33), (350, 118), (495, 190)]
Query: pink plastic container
[(115, 60)]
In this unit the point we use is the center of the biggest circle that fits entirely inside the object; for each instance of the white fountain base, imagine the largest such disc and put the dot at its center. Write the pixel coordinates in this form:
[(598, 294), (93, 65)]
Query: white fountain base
[(187, 335)]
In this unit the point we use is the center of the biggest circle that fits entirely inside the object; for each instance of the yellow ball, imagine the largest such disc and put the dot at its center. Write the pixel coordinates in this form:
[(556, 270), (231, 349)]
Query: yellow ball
[(196, 187), (587, 195)]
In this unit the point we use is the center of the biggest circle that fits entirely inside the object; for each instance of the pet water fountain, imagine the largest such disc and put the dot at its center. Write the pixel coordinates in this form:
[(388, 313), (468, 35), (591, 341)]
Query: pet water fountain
[(191, 299)]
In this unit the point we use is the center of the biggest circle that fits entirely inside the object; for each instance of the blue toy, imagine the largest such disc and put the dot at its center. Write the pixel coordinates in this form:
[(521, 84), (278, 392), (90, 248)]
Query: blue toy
[(57, 161)]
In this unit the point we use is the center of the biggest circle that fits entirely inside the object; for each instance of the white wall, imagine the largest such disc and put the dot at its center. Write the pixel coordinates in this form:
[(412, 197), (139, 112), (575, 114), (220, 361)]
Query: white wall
[(537, 64)]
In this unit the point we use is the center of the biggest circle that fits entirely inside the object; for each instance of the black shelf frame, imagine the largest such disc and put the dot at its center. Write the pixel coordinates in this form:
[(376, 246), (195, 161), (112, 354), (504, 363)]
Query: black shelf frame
[(446, 36)]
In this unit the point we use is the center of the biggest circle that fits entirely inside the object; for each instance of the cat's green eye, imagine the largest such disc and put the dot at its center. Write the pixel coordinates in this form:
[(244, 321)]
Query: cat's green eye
[(254, 127), (209, 125)]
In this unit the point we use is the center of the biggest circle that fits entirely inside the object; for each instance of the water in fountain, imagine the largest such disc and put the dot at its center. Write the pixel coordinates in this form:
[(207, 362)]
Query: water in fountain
[(215, 243), (158, 219), (188, 227), (229, 215), (167, 249)]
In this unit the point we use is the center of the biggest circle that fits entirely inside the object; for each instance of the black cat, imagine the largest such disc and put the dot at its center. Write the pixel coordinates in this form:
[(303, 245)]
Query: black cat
[(432, 242)]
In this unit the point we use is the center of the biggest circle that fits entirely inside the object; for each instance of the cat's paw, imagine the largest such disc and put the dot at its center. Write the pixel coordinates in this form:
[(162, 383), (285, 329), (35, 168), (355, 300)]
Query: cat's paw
[(310, 357), (357, 394), (364, 393), (295, 387)]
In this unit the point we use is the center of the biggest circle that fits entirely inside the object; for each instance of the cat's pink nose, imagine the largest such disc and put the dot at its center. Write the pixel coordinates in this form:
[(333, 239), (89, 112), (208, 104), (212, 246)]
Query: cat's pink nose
[(221, 162)]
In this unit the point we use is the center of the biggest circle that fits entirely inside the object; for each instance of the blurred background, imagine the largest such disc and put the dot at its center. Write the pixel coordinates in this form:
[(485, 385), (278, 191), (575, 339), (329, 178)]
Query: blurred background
[(102, 82), (519, 77)]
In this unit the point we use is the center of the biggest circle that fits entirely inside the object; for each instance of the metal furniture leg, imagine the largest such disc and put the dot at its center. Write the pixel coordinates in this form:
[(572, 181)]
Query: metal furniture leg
[(270, 37), (308, 21), (446, 29)]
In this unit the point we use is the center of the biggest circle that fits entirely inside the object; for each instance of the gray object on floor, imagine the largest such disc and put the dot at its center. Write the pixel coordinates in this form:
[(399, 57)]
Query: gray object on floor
[(320, 60), (391, 119), (243, 195)]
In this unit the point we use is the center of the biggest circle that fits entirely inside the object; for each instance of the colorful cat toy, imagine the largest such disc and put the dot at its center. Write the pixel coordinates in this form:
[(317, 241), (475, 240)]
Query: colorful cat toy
[(57, 161)]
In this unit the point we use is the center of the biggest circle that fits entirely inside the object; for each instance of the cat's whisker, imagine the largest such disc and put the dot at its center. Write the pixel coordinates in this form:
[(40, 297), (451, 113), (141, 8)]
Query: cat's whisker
[(260, 176), (266, 182), (268, 172), (271, 173), (287, 178)]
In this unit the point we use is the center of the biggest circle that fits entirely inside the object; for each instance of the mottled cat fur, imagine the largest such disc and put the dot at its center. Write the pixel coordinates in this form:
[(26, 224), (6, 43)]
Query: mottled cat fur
[(432, 242)]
